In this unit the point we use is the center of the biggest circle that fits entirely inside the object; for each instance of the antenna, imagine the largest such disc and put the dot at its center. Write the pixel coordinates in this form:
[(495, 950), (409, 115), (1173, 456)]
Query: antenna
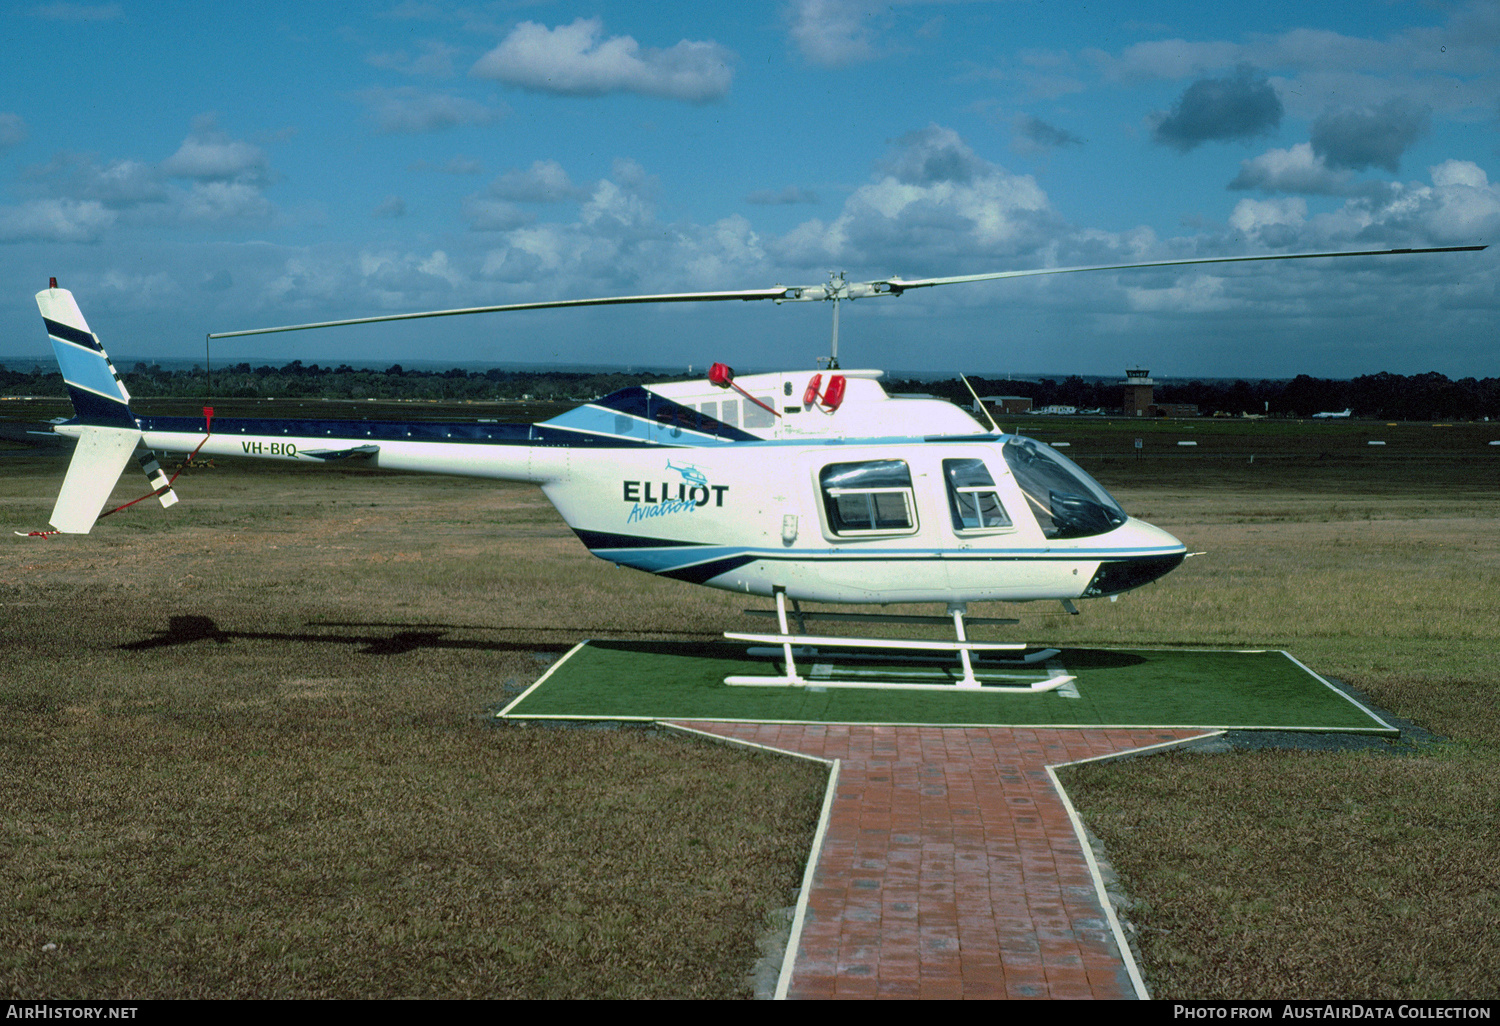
[(980, 403)]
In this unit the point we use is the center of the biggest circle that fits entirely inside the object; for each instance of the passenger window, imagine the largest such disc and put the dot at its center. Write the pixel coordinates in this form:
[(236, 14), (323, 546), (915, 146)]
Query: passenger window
[(868, 498), (972, 498), (760, 415)]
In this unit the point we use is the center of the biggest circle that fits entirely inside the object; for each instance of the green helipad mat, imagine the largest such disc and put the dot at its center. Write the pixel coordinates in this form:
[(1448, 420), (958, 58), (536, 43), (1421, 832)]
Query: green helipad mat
[(1261, 690)]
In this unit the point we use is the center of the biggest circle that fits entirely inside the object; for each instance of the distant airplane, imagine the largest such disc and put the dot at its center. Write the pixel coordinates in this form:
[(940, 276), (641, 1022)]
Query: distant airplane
[(1331, 416)]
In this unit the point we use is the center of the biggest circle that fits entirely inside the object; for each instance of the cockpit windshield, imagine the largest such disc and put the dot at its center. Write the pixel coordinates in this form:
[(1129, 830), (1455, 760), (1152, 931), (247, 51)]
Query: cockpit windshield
[(1068, 503)]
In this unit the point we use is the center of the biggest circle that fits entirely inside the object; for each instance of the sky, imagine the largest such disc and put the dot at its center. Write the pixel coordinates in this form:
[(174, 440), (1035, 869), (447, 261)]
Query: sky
[(187, 168)]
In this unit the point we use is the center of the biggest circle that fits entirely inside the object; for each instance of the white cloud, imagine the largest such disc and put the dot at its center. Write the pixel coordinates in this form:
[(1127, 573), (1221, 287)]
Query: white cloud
[(222, 181), (435, 60), (1461, 207), (217, 202), (305, 280), (576, 60), (544, 182), (727, 253), (133, 290), (834, 33), (383, 279), (1297, 169), (935, 203), (1194, 294), (436, 266), (494, 215), (617, 245), (209, 155), (616, 207), (408, 111), (55, 220), (1250, 215), (1168, 59), (119, 185), (1429, 62)]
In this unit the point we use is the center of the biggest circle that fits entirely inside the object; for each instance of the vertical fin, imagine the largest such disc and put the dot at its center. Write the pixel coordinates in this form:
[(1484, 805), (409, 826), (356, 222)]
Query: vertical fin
[(99, 396), (107, 433)]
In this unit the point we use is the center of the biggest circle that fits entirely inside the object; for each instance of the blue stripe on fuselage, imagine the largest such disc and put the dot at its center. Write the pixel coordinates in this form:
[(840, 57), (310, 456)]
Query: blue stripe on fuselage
[(377, 430), (673, 558), (638, 413)]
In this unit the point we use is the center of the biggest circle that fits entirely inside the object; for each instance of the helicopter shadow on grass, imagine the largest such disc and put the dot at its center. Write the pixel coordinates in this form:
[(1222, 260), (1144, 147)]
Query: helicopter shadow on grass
[(403, 638), (188, 629)]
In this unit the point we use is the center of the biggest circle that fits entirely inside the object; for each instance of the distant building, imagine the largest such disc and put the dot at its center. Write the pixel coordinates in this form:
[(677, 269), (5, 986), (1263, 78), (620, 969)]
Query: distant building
[(1173, 410), (1006, 404), (1139, 392)]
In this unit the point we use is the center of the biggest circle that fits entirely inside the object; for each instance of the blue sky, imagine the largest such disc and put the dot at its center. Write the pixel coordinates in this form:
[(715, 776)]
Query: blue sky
[(188, 168)]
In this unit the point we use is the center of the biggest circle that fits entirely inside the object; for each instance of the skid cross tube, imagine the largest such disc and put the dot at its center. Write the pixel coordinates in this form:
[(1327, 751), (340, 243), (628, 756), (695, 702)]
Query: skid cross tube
[(962, 646)]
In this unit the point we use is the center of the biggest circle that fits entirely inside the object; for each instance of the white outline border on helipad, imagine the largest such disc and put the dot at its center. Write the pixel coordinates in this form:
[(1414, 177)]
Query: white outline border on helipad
[(815, 852), (1384, 728), (1126, 955), (794, 937)]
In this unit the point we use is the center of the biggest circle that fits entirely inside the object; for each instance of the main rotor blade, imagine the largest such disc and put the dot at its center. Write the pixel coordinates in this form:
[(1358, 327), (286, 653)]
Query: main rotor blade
[(899, 285), (831, 290), (775, 292)]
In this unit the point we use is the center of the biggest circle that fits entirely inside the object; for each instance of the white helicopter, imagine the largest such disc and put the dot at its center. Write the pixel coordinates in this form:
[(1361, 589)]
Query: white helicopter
[(784, 485)]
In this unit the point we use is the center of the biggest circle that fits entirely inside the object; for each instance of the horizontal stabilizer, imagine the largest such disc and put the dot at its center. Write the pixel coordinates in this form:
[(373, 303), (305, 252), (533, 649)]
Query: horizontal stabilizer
[(101, 454)]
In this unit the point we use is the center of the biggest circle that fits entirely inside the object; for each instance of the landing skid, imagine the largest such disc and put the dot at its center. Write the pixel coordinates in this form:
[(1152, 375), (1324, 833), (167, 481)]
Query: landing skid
[(792, 646)]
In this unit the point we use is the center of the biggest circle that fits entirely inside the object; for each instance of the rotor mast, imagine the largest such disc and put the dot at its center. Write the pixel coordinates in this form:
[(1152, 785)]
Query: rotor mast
[(835, 291), (833, 349)]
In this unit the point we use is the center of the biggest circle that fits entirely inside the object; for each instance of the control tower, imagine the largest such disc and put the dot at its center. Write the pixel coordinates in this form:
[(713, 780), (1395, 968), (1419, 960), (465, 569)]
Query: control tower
[(1139, 392)]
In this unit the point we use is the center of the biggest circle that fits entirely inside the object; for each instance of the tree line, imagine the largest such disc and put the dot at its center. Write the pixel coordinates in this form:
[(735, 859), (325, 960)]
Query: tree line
[(1382, 396), (298, 380), (1386, 396)]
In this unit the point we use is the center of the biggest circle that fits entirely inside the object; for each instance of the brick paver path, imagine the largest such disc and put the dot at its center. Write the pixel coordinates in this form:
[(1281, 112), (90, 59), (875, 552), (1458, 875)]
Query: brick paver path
[(950, 867)]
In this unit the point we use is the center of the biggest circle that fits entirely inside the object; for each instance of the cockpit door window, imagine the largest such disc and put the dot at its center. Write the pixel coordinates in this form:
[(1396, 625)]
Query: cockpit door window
[(973, 501), (1068, 503)]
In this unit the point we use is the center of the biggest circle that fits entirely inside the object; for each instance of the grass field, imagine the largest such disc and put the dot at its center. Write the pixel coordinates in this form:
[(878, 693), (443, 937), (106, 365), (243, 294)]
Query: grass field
[(248, 751), (1320, 874), (246, 748)]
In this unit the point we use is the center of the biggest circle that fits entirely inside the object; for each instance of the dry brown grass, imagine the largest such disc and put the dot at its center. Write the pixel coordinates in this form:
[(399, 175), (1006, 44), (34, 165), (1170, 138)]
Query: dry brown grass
[(1322, 874), (1278, 874), (245, 739), (247, 753)]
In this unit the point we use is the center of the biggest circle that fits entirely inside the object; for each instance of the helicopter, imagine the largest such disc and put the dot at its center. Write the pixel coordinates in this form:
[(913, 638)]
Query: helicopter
[(800, 486)]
